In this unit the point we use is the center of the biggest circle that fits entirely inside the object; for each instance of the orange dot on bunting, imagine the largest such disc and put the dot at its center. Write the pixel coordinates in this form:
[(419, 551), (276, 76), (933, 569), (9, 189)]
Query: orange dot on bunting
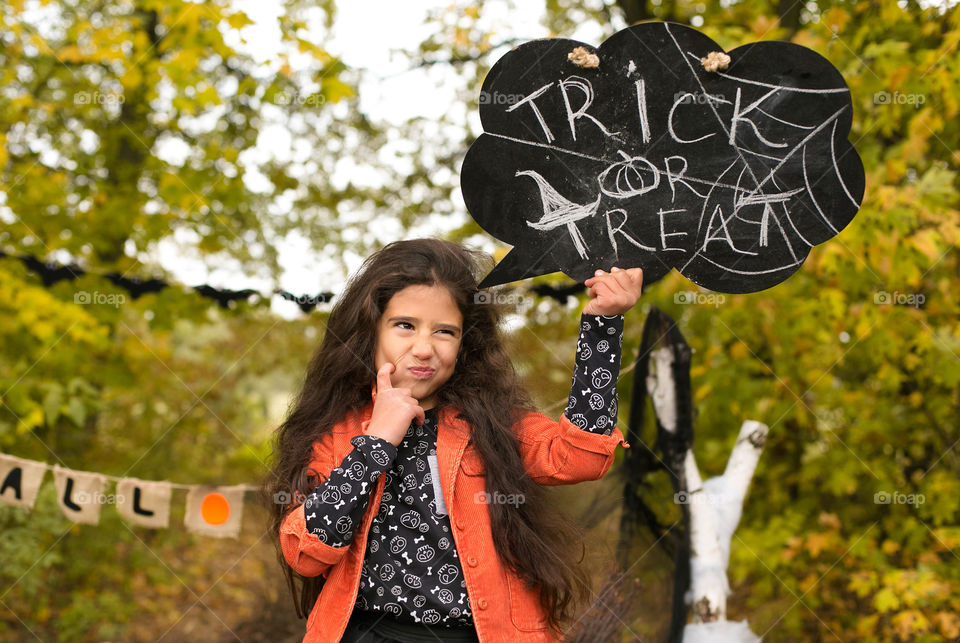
[(215, 509)]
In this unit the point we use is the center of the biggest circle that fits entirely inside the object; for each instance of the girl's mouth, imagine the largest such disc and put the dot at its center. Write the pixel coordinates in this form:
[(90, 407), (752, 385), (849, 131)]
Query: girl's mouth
[(422, 372)]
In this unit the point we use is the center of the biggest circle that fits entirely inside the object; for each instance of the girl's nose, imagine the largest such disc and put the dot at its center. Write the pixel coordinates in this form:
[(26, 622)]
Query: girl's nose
[(422, 348)]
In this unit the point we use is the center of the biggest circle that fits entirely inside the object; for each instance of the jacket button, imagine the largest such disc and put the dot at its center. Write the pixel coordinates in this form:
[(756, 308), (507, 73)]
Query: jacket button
[(482, 603), (472, 562)]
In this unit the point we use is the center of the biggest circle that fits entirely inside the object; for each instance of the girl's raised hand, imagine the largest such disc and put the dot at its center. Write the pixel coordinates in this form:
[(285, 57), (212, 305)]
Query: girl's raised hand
[(393, 410), (614, 292)]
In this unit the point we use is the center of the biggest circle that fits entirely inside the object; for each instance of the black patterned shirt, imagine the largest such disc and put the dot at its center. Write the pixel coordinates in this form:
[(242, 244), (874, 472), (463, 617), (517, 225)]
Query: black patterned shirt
[(593, 392), (410, 568)]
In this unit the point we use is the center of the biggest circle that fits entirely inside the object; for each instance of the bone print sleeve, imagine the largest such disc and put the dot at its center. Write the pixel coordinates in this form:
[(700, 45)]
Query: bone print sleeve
[(593, 392), (335, 507)]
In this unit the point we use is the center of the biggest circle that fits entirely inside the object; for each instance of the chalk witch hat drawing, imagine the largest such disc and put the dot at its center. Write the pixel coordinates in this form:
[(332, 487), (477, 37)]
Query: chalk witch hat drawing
[(560, 211)]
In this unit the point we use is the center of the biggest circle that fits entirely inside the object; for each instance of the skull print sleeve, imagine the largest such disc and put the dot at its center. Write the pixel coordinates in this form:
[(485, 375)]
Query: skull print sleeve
[(593, 393), (336, 506)]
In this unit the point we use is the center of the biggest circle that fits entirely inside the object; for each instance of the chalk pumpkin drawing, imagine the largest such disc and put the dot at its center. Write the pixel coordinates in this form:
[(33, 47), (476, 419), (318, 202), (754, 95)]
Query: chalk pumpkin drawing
[(649, 160)]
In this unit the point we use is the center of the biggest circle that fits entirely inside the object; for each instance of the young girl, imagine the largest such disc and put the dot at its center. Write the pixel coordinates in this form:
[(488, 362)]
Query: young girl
[(406, 482)]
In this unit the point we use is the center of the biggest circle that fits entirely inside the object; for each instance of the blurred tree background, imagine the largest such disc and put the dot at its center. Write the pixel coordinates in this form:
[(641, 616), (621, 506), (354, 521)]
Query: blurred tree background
[(853, 362)]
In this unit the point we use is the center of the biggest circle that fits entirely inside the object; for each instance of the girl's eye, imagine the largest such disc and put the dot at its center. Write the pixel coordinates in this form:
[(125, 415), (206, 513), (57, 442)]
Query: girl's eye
[(403, 324)]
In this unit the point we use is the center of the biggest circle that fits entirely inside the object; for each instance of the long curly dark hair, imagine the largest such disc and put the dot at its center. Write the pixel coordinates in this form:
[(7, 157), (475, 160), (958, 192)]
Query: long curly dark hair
[(532, 538)]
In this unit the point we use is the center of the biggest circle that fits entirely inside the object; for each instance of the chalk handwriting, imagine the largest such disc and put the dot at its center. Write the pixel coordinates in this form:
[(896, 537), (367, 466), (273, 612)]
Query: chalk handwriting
[(731, 177)]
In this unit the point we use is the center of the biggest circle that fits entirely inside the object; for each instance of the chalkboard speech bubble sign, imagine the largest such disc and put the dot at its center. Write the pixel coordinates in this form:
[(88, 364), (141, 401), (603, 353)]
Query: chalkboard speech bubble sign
[(649, 156)]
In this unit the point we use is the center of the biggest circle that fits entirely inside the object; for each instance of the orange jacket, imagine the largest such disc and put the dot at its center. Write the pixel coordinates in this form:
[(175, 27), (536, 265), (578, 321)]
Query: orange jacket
[(504, 609)]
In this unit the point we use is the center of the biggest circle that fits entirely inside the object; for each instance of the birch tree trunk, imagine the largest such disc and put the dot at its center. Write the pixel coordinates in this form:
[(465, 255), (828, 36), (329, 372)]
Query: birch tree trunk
[(711, 508)]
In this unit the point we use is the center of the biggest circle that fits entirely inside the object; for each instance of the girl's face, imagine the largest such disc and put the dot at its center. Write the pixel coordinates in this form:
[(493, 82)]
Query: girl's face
[(420, 333)]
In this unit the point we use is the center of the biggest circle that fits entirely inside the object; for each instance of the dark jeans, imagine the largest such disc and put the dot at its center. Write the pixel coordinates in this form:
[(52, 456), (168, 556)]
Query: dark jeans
[(357, 633), (367, 627)]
